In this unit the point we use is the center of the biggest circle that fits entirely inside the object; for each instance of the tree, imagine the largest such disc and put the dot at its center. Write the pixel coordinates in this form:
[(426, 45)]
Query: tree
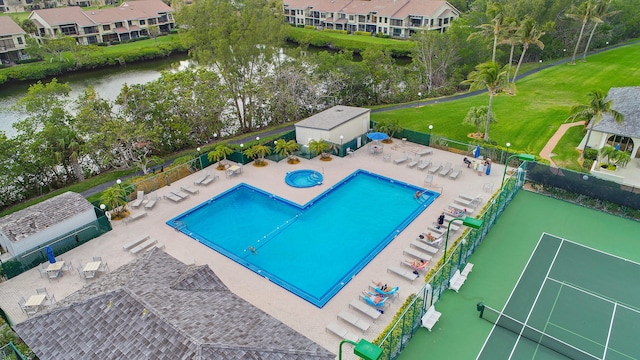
[(320, 147), (477, 115), (529, 34), (388, 126), (600, 13), (239, 45), (115, 198), (582, 13), (494, 28), (258, 152), (58, 45), (435, 54), (593, 111), (287, 148), (491, 76), (154, 32), (219, 153)]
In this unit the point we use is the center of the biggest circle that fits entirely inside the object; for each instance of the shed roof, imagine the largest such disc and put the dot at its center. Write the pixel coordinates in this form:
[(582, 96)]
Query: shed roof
[(332, 117), (36, 218), (159, 308), (626, 100)]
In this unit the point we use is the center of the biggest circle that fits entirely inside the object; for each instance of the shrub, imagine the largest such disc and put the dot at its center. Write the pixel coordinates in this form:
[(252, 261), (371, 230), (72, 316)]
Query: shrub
[(587, 163), (362, 33), (590, 154), (336, 31), (310, 27)]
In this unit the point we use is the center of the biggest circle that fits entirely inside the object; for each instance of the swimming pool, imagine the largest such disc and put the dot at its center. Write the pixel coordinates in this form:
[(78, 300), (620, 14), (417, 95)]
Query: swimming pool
[(312, 250)]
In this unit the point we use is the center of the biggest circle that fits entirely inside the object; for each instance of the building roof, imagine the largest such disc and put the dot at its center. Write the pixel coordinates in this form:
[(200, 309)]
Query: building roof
[(626, 100), (38, 217), (399, 9), (159, 308), (63, 16), (9, 27), (332, 117), (422, 8)]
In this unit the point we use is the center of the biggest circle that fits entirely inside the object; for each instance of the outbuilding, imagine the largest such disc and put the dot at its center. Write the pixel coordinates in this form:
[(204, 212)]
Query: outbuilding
[(339, 125)]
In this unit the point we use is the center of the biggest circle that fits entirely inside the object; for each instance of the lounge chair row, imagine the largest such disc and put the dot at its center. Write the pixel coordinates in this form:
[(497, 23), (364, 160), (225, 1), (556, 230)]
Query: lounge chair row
[(176, 196), (205, 179), (151, 201)]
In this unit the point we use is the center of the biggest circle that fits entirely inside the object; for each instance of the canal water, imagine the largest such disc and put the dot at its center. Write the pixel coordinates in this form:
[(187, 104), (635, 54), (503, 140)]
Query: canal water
[(106, 81)]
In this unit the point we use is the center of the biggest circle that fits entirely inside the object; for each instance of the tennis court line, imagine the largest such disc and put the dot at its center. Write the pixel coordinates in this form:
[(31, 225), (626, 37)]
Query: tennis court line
[(591, 248), (535, 301), (510, 295), (596, 295), (606, 344)]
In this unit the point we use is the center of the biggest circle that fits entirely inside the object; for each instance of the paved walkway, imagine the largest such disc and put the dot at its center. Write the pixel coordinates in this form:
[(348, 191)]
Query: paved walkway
[(546, 152)]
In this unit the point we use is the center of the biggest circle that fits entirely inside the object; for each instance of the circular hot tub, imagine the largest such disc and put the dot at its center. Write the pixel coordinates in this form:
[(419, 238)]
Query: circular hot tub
[(303, 178)]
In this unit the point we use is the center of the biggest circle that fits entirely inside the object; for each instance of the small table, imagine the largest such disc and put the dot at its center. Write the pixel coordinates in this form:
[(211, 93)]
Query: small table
[(91, 268), (235, 169), (35, 301), (55, 267)]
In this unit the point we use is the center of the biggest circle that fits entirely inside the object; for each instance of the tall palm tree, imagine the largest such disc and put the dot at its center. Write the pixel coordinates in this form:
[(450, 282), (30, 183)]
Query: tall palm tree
[(529, 34), (600, 12), (219, 153), (491, 76), (287, 148), (596, 107), (477, 116), (494, 28), (580, 13), (511, 38), (258, 152)]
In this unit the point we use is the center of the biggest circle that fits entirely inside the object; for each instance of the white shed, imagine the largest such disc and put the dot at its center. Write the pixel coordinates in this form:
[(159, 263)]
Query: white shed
[(339, 124), (43, 222)]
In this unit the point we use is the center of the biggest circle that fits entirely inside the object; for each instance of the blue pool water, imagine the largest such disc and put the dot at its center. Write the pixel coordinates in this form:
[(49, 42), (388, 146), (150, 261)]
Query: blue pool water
[(312, 250), (303, 178)]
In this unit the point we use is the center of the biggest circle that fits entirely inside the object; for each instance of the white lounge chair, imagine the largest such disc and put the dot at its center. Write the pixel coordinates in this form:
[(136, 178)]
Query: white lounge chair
[(135, 216), (138, 201), (199, 180), (365, 309), (342, 332), (209, 180), (424, 152), (445, 170), (145, 245), (405, 273), (354, 320), (416, 254), (435, 167), (424, 247), (428, 179), (402, 159), (413, 163), (173, 197), (456, 171), (424, 164), (151, 202), (190, 190)]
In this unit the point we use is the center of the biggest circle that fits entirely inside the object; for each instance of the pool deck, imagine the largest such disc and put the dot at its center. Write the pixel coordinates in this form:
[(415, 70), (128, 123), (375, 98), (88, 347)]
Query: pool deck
[(274, 300)]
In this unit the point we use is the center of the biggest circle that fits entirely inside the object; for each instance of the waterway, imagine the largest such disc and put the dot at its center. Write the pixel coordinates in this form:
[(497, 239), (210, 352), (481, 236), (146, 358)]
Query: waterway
[(106, 81)]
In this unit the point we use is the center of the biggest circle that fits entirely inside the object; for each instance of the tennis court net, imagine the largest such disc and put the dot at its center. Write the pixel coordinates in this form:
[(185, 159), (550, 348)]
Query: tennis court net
[(517, 327)]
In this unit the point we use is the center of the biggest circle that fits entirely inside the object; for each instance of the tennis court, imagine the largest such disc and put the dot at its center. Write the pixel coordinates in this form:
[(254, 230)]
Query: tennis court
[(571, 301), (501, 260)]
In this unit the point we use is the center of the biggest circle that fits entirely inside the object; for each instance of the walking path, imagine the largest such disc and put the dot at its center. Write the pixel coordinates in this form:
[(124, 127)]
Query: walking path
[(546, 152)]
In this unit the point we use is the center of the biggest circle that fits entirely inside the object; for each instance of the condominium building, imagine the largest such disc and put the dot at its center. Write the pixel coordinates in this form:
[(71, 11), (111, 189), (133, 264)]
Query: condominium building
[(128, 21), (12, 41), (396, 18)]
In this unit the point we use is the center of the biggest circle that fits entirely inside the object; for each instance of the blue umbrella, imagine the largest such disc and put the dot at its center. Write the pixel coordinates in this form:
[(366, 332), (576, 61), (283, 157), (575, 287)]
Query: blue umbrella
[(50, 256), (377, 136), (476, 152)]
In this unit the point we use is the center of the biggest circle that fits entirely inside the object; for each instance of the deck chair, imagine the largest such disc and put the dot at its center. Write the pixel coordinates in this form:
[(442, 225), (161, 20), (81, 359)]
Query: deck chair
[(428, 180), (173, 197), (201, 179), (138, 201), (391, 292), (434, 168), (190, 189), (209, 180), (446, 169), (424, 152), (424, 164), (370, 302), (152, 202), (455, 172), (413, 163), (402, 159)]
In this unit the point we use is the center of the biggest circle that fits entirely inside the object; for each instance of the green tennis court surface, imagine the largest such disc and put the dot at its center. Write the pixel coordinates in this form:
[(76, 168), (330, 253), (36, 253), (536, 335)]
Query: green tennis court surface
[(571, 301)]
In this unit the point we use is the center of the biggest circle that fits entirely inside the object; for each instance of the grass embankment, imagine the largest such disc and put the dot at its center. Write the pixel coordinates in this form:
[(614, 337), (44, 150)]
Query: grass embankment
[(355, 43), (528, 119)]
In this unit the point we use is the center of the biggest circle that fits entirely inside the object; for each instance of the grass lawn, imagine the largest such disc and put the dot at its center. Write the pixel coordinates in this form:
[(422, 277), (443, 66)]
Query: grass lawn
[(542, 102), (349, 42), (566, 150)]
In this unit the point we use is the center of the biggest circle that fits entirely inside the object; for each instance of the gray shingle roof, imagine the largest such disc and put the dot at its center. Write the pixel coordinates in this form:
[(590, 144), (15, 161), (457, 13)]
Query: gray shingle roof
[(332, 117), (626, 100), (158, 308), (36, 218)]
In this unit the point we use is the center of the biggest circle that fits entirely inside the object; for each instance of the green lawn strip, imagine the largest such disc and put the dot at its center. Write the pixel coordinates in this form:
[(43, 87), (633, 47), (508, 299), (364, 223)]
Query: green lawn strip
[(566, 150), (356, 43), (541, 104)]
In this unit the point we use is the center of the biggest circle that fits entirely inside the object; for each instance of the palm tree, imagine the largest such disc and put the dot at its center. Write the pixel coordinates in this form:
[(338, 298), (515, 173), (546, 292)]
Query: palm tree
[(476, 116), (320, 147), (512, 39), (491, 76), (496, 12), (287, 148), (600, 12), (389, 127), (593, 111), (258, 152), (116, 199), (219, 153), (580, 13), (529, 34)]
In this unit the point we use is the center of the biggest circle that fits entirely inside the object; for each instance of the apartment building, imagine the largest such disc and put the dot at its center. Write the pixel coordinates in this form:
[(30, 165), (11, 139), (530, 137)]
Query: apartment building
[(130, 20), (396, 18), (12, 41)]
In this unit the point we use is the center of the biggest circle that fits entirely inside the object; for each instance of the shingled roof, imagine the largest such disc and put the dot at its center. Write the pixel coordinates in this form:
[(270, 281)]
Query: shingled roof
[(626, 100), (36, 218), (159, 308)]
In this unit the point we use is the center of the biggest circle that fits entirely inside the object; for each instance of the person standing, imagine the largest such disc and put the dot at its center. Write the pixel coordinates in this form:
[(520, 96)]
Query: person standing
[(488, 166), (440, 220), (480, 169)]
